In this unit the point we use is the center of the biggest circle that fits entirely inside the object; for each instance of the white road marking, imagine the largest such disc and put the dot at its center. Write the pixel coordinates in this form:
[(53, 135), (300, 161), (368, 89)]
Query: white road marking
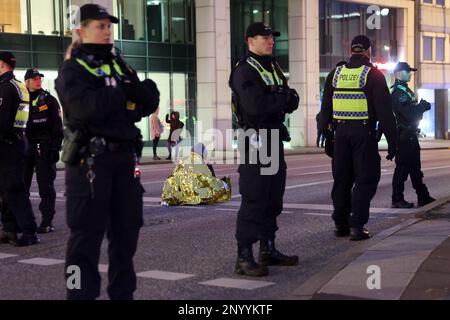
[(164, 275), (6, 255), (237, 283), (42, 261)]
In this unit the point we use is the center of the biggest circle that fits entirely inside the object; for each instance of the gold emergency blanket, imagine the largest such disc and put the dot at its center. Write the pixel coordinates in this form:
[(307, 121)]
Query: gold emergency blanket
[(192, 183)]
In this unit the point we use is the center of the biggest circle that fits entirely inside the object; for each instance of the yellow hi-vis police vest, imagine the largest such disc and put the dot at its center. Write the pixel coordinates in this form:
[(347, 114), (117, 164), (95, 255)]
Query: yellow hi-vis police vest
[(23, 111), (268, 78), (349, 99), (105, 70)]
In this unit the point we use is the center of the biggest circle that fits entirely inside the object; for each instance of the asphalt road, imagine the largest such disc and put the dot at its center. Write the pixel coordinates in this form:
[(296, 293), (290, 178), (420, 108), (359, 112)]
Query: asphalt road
[(196, 244)]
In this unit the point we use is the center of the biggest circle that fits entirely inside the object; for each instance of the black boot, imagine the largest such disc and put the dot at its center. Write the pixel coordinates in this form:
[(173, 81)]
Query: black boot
[(246, 265), (424, 201), (402, 204), (27, 240), (358, 234), (8, 237), (342, 231), (270, 256)]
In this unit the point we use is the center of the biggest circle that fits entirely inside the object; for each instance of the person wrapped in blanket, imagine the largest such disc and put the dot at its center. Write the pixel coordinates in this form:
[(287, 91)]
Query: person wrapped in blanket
[(193, 182)]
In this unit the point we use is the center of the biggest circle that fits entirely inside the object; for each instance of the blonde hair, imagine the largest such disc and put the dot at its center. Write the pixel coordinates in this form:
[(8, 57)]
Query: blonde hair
[(76, 44)]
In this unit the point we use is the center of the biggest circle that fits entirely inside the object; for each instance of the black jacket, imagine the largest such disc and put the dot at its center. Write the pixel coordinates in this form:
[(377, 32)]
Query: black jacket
[(95, 105), (175, 124), (378, 97), (259, 107), (10, 98), (45, 123), (407, 111)]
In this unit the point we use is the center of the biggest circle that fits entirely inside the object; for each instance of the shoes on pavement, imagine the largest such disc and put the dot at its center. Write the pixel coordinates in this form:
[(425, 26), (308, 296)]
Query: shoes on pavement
[(156, 158), (358, 234), (425, 201), (27, 240), (246, 265), (270, 256), (341, 231), (45, 228), (8, 238), (402, 204)]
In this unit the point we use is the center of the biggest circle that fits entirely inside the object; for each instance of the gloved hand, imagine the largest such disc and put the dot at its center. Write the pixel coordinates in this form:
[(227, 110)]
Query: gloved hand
[(329, 143), (147, 93), (53, 155), (425, 105), (292, 101), (392, 149)]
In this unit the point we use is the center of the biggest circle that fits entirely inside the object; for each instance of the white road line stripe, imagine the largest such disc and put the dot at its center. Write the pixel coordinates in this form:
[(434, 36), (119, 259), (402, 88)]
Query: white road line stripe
[(42, 261), (237, 283), (7, 255), (317, 214), (164, 275)]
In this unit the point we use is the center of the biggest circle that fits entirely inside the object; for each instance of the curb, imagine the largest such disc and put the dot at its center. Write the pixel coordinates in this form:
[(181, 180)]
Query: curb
[(311, 286)]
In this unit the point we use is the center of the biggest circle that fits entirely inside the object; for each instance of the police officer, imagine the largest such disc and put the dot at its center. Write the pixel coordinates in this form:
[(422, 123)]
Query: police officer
[(102, 98), (45, 134), (262, 97), (408, 113), (17, 213), (355, 97)]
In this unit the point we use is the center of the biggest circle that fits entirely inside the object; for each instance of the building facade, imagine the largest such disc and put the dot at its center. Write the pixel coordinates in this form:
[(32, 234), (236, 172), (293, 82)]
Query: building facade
[(190, 46)]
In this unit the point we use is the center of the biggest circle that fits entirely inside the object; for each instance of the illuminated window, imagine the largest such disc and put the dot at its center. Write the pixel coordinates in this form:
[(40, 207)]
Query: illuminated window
[(13, 16), (45, 17), (132, 20)]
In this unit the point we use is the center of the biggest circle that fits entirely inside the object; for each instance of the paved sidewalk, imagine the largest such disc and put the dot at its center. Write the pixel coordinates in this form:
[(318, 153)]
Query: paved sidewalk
[(412, 260)]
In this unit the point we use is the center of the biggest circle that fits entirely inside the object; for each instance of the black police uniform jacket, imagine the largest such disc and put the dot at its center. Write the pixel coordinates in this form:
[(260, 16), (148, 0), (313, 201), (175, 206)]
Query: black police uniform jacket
[(407, 111), (44, 122), (9, 103), (259, 108), (94, 105), (378, 98)]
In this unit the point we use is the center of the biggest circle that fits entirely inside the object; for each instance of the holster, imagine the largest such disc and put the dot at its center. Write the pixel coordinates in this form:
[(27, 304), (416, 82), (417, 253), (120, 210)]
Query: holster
[(74, 143)]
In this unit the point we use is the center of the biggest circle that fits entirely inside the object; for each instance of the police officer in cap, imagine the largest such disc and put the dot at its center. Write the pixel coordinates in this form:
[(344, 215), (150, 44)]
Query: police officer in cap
[(355, 98), (262, 97), (17, 213), (102, 99), (45, 135), (408, 113)]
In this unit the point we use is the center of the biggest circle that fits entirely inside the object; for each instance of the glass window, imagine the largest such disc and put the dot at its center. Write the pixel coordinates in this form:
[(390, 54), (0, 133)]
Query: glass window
[(66, 10), (179, 97), (115, 13), (132, 20), (13, 16), (340, 22), (427, 48), (190, 21), (427, 1), (440, 2), (45, 17), (440, 52), (162, 80), (158, 20), (178, 19)]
